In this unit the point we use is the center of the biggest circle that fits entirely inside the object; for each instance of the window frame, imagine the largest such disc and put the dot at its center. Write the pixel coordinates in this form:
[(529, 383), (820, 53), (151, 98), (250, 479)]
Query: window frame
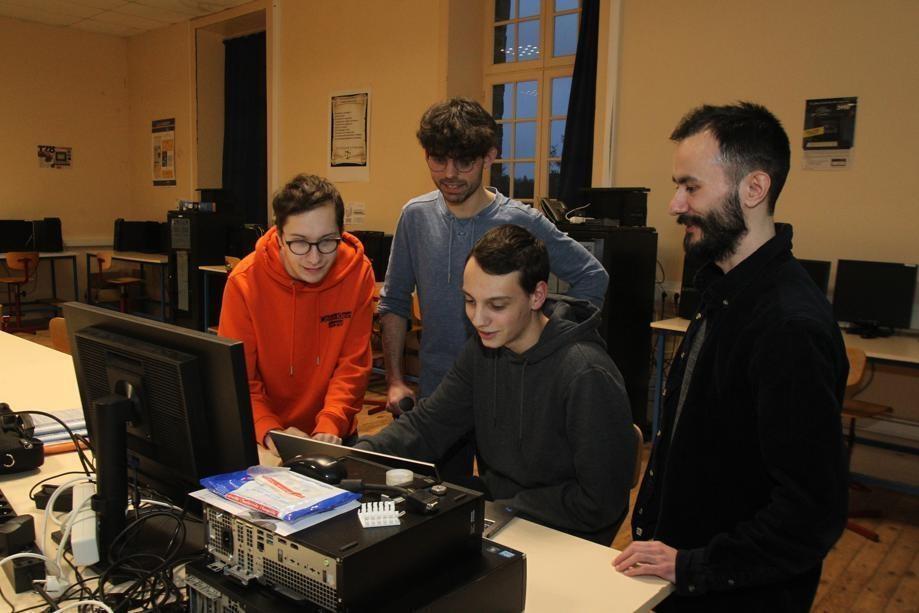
[(542, 70)]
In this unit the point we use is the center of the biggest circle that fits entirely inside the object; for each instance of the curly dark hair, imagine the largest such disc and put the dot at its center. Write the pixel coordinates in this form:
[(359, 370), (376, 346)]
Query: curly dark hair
[(458, 128), (510, 248), (305, 193)]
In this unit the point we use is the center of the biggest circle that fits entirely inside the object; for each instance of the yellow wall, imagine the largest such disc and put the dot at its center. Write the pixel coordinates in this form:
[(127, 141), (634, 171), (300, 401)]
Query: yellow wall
[(210, 106), (68, 88), (675, 55), (394, 48), (159, 82)]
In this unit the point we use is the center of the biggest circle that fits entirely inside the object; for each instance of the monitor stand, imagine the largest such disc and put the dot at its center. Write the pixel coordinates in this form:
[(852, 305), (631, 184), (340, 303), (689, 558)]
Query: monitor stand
[(869, 329), (111, 499)]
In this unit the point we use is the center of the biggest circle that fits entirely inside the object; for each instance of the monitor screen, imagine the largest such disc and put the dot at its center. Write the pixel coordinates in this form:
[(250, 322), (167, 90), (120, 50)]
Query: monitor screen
[(879, 294), (819, 271), (190, 411)]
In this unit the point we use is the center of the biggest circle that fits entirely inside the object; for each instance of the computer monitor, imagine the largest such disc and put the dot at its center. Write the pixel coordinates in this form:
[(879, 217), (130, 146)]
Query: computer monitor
[(875, 297), (170, 403), (819, 271)]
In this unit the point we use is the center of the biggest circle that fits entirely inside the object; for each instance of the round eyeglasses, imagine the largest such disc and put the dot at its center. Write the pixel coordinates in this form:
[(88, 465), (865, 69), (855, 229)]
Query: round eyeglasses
[(302, 247), (438, 163)]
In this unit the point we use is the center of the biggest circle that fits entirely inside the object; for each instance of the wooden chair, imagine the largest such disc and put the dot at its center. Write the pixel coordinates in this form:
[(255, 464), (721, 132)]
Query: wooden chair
[(230, 262), (26, 261), (639, 446), (854, 409), (57, 326), (104, 259)]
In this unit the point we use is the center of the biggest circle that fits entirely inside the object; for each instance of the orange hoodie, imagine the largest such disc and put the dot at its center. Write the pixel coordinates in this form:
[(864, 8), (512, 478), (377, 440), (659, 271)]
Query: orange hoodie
[(307, 345)]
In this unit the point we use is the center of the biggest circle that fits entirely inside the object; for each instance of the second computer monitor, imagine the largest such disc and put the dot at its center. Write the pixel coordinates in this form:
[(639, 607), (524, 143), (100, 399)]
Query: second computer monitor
[(874, 296), (819, 271)]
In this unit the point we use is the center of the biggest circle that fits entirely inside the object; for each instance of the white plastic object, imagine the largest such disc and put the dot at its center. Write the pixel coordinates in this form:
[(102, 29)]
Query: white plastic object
[(399, 476), (377, 514), (83, 534)]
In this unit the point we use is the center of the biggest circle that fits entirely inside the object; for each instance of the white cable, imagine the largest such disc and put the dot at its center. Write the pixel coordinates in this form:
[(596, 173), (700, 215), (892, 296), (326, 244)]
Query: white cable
[(37, 556), (50, 505), (157, 503), (580, 208), (83, 603), (65, 535)]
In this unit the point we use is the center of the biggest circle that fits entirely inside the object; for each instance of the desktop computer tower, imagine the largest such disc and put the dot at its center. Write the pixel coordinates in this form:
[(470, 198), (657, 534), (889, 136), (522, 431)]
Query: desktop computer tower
[(196, 239), (629, 255)]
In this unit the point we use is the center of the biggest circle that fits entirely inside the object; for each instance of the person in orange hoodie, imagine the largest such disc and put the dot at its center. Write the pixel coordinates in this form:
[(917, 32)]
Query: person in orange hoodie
[(302, 304)]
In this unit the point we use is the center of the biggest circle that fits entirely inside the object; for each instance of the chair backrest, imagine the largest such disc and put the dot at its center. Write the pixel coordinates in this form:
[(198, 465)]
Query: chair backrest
[(22, 260), (857, 362), (104, 259), (639, 446), (230, 262), (59, 339)]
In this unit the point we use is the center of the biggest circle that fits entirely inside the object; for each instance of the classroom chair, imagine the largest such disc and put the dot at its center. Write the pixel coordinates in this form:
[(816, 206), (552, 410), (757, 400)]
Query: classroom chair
[(57, 326), (853, 409), (26, 261), (104, 259)]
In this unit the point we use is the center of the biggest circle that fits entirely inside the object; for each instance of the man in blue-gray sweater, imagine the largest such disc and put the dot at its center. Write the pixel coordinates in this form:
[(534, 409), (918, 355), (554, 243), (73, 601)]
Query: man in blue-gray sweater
[(536, 388), (434, 235)]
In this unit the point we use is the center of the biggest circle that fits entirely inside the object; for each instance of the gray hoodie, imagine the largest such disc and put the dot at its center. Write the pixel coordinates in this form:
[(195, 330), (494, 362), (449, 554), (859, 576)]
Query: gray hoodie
[(552, 425)]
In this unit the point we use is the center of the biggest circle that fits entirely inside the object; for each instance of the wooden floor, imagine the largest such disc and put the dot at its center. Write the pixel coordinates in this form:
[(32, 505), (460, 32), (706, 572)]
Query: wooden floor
[(858, 574)]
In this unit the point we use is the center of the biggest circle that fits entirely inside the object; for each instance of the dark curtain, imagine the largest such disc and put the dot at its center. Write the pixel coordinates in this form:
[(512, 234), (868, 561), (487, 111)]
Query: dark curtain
[(578, 147), (245, 164)]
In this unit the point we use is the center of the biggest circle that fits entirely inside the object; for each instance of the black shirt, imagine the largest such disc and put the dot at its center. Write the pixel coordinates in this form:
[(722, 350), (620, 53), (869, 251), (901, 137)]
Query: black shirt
[(751, 488)]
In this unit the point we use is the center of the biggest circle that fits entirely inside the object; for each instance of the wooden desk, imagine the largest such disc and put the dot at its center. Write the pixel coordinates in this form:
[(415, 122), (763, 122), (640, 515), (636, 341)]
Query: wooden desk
[(54, 256), (206, 272), (897, 349), (153, 259)]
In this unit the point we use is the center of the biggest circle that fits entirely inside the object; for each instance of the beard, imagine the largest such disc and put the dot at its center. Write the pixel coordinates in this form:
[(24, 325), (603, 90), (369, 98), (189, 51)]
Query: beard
[(721, 230), (461, 189)]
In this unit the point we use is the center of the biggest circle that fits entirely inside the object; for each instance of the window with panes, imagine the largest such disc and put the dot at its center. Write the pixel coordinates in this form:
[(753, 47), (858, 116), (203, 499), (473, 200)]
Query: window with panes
[(528, 82)]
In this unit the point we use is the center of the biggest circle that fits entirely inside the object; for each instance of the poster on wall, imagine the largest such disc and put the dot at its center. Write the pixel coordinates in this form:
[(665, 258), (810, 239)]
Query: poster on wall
[(164, 151), (52, 156), (349, 136), (829, 133)]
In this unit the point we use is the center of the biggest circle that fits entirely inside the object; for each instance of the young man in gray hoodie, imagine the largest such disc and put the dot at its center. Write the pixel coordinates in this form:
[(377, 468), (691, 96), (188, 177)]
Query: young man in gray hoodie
[(535, 387)]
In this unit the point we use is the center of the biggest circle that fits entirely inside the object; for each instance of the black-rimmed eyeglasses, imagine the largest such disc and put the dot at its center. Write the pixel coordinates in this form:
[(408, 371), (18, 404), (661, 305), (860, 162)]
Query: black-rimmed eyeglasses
[(439, 163), (302, 247)]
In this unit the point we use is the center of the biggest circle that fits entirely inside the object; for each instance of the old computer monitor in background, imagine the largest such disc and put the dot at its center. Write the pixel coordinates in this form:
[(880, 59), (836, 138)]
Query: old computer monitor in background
[(167, 403), (819, 271), (875, 297)]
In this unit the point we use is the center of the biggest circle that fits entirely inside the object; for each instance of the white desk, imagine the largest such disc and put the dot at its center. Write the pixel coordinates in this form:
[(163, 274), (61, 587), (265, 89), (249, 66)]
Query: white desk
[(36, 377), (564, 573)]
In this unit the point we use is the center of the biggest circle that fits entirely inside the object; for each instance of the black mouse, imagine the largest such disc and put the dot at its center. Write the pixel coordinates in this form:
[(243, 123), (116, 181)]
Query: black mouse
[(321, 467)]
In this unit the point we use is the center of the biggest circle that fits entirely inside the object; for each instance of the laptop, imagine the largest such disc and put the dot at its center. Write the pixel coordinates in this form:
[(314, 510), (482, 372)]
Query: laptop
[(290, 446)]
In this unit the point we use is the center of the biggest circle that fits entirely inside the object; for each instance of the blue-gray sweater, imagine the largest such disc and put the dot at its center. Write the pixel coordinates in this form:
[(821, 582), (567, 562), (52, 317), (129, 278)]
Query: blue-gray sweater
[(429, 252)]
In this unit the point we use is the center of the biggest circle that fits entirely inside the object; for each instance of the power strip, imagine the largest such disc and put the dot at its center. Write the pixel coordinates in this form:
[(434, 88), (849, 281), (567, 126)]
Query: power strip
[(83, 534)]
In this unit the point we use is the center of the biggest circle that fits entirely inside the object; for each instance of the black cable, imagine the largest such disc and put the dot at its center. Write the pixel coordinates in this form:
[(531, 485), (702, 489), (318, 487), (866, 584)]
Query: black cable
[(87, 466), (45, 480)]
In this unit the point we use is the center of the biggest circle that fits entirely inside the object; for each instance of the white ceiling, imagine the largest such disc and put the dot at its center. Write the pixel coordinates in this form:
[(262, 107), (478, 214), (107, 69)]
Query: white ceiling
[(116, 17)]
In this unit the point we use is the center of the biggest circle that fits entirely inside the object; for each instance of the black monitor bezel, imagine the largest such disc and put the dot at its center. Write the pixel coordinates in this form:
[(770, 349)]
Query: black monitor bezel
[(223, 378)]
